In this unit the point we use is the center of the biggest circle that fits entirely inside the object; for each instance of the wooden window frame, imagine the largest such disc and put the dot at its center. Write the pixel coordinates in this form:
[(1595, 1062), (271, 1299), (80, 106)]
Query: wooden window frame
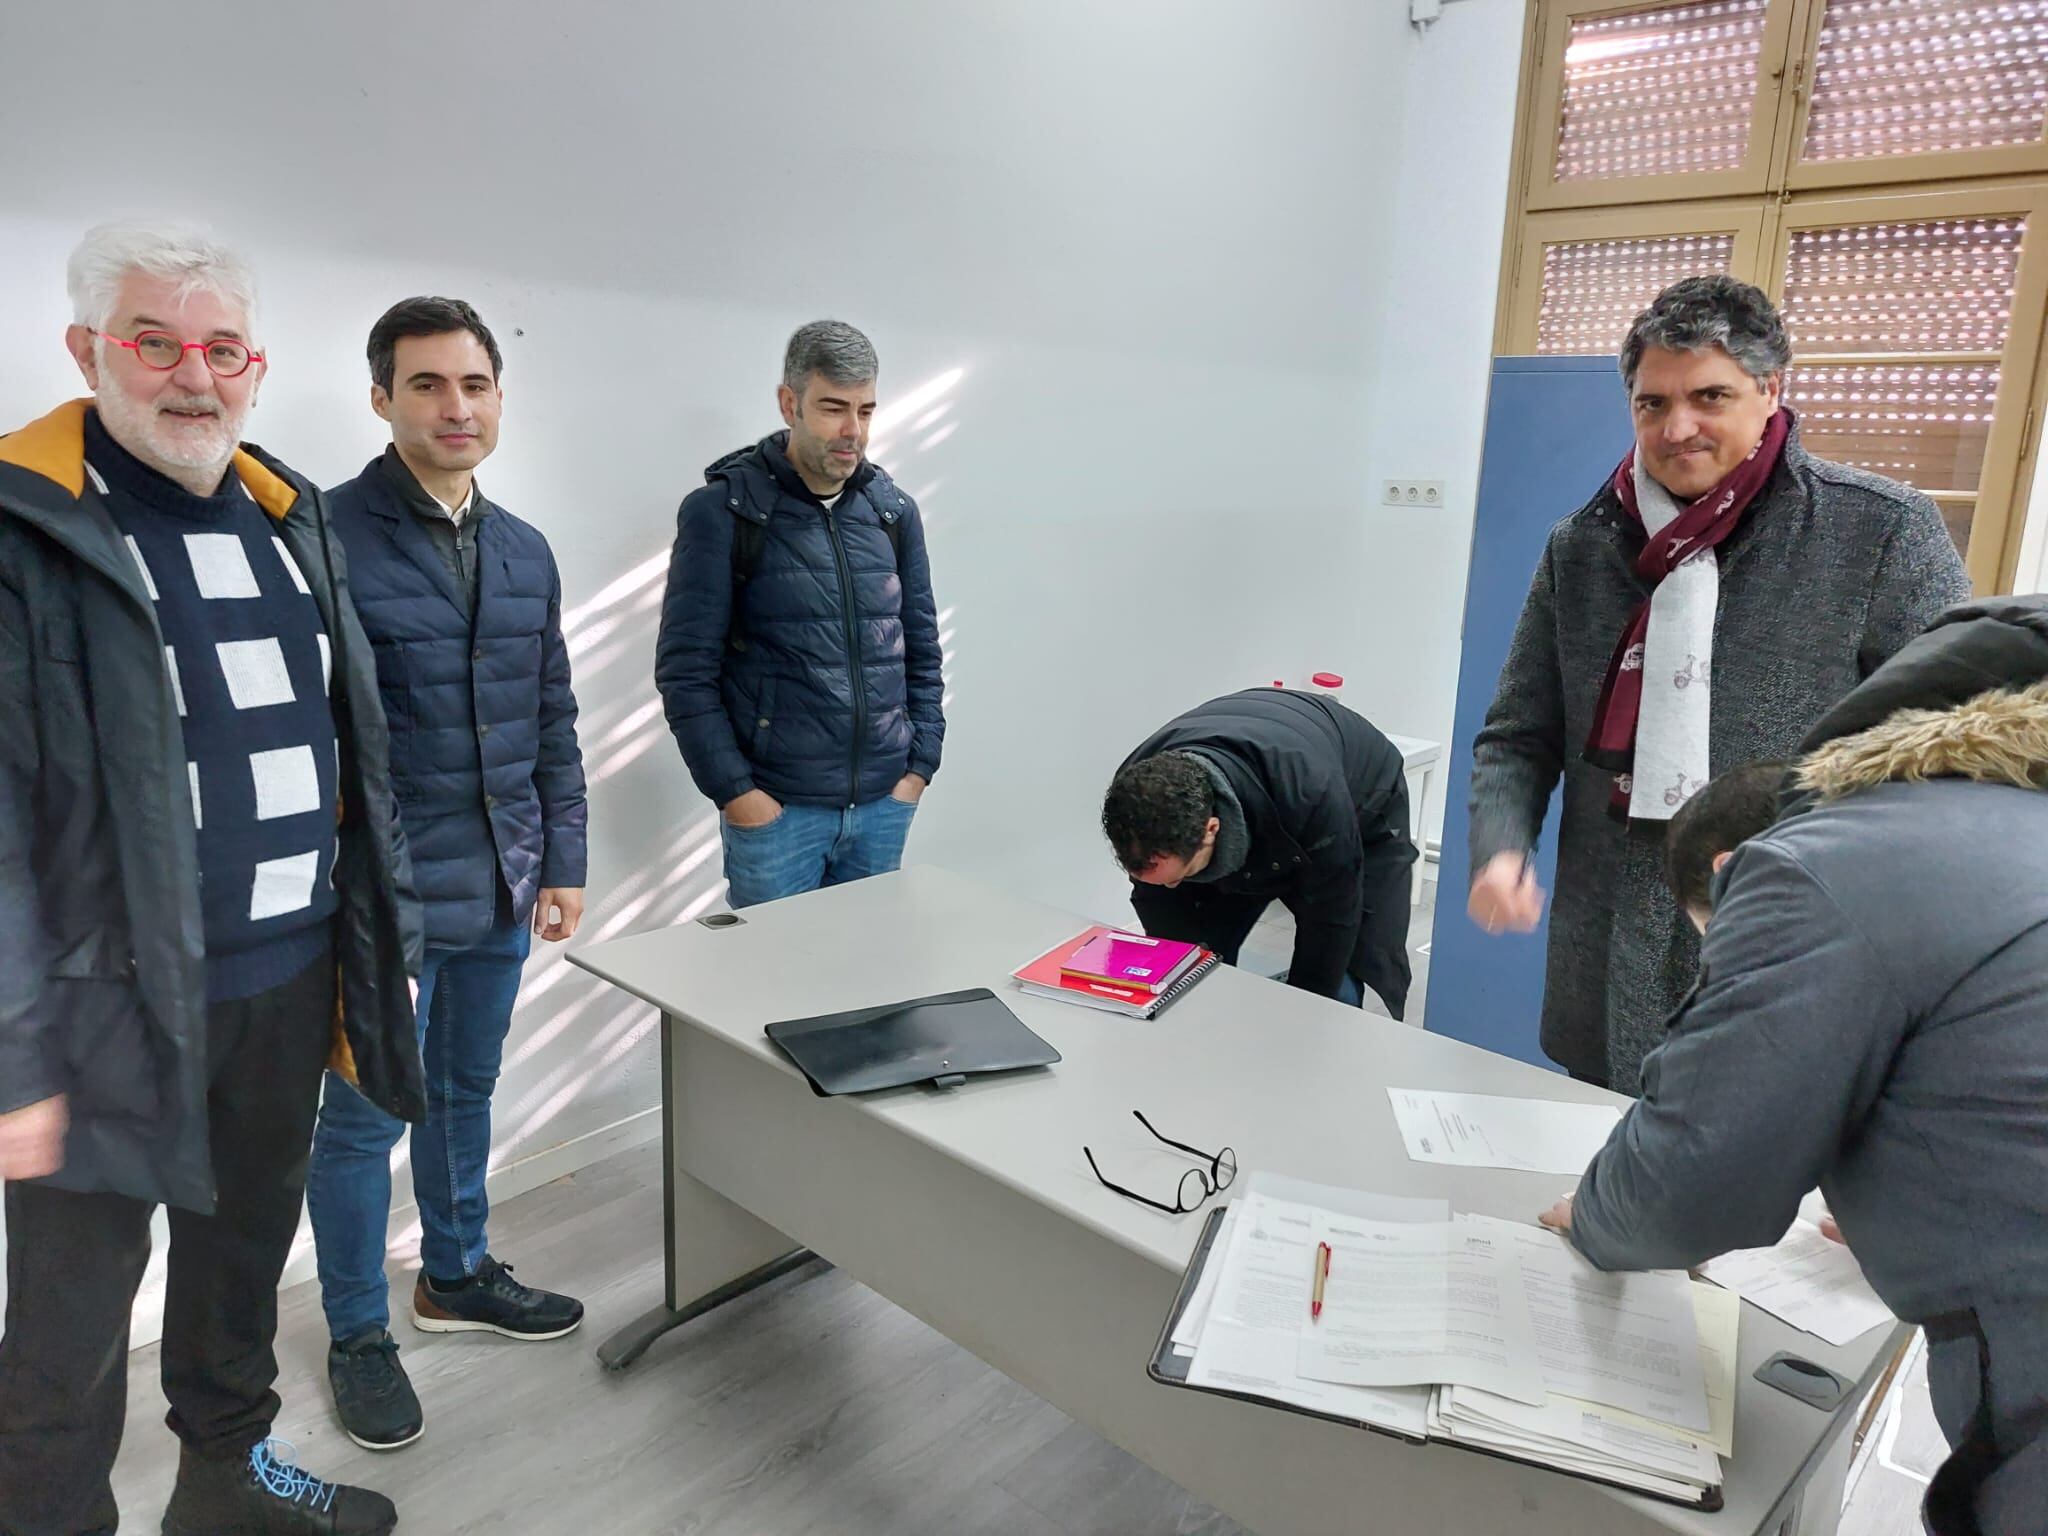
[(2007, 474), (1554, 21), (1944, 166), (1571, 226)]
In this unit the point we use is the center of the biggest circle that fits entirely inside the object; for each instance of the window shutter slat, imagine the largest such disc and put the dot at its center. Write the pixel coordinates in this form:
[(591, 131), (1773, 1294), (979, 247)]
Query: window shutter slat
[(1593, 289), (1926, 77), (1661, 92)]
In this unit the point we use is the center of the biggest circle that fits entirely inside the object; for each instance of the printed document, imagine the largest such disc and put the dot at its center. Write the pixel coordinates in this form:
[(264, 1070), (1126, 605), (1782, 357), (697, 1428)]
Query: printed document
[(1623, 1340), (1477, 1130), (1413, 1304), (1258, 1308)]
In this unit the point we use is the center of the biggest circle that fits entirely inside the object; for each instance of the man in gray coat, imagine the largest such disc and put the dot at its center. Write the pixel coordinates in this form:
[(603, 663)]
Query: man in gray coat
[(1717, 595), (1870, 1019)]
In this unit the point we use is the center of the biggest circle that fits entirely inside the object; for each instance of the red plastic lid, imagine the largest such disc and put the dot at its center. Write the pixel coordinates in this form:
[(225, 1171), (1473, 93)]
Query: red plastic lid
[(1327, 680)]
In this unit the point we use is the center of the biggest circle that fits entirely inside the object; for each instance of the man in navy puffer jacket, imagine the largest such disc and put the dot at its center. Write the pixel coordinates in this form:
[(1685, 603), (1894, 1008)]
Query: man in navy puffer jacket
[(799, 654), (463, 607)]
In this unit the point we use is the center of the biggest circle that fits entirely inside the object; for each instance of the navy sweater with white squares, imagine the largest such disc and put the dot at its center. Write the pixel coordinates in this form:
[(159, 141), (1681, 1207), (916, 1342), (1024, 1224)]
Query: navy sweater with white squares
[(249, 664)]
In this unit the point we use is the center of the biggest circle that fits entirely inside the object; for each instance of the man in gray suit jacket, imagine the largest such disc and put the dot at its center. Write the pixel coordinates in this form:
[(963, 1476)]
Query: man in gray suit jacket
[(1717, 595), (1870, 1019)]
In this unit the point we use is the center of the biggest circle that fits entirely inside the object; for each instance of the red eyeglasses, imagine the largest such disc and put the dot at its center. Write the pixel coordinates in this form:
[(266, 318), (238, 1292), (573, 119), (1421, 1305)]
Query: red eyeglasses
[(163, 352)]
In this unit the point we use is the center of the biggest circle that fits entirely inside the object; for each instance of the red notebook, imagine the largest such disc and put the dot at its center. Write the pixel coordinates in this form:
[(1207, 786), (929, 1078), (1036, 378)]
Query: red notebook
[(1046, 977)]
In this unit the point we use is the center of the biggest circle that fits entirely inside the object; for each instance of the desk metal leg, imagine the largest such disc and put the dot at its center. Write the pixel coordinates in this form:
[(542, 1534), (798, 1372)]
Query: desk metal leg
[(714, 1250), (633, 1340)]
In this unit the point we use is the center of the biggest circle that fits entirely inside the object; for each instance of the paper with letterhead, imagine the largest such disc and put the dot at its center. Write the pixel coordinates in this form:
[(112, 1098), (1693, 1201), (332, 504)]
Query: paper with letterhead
[(1478, 1130)]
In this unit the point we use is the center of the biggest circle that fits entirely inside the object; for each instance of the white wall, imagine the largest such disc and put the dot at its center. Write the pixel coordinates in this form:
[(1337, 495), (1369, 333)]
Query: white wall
[(2031, 574), (1181, 280), (1429, 377)]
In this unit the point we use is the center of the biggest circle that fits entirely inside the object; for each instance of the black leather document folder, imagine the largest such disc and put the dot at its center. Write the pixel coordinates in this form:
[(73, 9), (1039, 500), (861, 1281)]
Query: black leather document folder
[(939, 1040)]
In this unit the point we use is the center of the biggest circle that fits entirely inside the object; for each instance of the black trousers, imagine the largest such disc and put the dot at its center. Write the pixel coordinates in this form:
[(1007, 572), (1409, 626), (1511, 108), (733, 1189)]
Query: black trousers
[(74, 1263)]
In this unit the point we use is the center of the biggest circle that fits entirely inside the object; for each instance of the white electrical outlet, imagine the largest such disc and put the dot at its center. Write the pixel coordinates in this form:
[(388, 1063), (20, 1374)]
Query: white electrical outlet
[(1413, 493)]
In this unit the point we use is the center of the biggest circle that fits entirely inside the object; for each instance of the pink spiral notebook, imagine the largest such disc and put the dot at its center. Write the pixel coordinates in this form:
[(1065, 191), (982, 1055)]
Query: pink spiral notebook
[(1047, 976), (1131, 960)]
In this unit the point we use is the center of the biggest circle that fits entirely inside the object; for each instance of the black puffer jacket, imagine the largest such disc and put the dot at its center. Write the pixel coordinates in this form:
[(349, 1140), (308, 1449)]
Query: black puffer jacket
[(102, 952)]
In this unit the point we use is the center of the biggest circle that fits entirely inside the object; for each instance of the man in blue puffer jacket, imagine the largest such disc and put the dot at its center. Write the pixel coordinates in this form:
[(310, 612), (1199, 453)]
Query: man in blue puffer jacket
[(463, 607), (799, 654)]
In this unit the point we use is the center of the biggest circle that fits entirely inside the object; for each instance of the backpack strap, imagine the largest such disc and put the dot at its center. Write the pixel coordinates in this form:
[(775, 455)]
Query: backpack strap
[(891, 506), (749, 538)]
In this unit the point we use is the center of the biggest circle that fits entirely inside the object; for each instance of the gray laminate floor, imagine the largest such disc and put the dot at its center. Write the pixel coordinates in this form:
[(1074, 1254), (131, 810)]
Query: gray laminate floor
[(810, 1407)]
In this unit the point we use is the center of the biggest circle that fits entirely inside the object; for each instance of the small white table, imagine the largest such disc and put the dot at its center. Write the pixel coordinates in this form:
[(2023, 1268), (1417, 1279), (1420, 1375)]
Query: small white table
[(1419, 760), (974, 1210)]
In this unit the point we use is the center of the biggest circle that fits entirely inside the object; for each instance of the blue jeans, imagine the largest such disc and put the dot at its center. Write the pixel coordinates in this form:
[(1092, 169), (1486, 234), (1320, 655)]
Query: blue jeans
[(809, 846), (465, 1012)]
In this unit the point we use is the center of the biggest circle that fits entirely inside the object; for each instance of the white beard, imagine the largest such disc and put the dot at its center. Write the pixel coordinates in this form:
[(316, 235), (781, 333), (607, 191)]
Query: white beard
[(185, 453)]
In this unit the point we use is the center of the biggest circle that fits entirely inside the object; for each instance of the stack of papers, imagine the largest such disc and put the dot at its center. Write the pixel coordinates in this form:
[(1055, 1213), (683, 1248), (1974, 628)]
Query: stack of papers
[(1467, 1330), (1809, 1281), (1623, 1402)]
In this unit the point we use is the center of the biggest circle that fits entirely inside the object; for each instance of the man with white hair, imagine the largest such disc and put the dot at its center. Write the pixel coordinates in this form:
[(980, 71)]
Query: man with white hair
[(204, 896)]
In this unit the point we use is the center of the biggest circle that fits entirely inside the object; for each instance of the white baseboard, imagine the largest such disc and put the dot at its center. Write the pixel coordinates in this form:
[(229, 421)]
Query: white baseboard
[(503, 1183)]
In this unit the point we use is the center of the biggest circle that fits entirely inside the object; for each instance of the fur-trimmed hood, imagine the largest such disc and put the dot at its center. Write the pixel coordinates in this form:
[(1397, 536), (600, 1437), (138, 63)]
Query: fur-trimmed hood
[(2000, 737), (1967, 699)]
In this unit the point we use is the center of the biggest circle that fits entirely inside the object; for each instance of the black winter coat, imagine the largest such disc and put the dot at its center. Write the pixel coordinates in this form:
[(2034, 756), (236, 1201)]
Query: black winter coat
[(102, 951), (1316, 782)]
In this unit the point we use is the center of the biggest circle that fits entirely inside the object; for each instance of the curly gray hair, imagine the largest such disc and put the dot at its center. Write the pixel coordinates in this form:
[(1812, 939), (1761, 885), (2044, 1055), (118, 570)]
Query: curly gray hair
[(1703, 312)]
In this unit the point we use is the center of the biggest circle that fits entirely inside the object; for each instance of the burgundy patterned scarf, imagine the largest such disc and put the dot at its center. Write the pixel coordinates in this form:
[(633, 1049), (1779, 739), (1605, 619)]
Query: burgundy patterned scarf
[(1702, 524)]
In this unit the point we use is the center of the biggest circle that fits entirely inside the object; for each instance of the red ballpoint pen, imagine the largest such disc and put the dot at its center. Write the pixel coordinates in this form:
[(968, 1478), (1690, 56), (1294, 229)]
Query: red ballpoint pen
[(1315, 1304)]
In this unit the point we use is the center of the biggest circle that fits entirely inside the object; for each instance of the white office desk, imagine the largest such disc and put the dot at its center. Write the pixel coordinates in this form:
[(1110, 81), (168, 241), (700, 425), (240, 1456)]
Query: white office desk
[(974, 1210)]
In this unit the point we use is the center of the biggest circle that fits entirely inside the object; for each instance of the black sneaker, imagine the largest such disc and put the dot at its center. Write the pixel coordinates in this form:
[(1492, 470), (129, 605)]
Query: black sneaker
[(372, 1396), (267, 1495), (493, 1302)]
